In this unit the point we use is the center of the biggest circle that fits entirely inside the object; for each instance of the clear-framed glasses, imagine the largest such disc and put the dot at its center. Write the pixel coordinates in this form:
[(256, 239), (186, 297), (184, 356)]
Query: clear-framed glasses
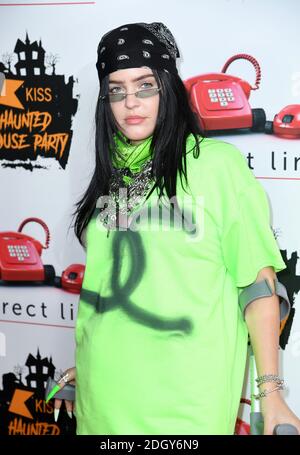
[(144, 93)]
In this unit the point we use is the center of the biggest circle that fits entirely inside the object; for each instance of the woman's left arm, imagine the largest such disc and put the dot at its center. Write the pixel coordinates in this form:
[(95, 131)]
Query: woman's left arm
[(263, 321)]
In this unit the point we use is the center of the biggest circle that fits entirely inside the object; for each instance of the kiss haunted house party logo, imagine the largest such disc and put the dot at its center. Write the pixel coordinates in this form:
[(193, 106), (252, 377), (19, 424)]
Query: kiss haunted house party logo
[(23, 410), (36, 108)]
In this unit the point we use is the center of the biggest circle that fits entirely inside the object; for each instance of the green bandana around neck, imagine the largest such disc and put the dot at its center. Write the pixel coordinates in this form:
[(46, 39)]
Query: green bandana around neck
[(130, 156)]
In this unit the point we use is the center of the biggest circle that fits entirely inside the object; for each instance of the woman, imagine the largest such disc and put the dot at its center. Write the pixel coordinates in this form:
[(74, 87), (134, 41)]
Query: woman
[(176, 228)]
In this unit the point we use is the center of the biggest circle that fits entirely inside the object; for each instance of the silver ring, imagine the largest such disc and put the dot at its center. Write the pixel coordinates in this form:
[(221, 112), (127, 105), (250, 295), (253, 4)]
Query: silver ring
[(64, 378)]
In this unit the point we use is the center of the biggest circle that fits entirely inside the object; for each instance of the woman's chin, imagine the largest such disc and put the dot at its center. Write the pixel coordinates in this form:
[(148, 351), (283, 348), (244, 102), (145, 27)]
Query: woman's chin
[(137, 136)]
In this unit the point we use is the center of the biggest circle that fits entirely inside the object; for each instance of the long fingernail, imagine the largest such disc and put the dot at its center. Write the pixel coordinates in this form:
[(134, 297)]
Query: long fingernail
[(56, 413), (69, 414)]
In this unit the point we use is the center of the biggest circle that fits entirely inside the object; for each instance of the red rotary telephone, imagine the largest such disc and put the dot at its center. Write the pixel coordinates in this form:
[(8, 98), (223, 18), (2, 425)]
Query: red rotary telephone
[(20, 261), (20, 255), (221, 102)]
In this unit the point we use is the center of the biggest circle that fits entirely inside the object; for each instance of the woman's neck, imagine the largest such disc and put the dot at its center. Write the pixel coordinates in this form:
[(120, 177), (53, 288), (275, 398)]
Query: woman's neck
[(136, 142)]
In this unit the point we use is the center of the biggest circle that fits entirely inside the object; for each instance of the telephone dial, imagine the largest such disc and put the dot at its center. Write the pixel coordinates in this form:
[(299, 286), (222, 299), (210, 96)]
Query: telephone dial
[(220, 100), (20, 261)]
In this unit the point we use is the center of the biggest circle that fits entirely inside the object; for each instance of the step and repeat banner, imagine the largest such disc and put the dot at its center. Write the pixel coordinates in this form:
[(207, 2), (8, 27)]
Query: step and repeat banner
[(49, 88)]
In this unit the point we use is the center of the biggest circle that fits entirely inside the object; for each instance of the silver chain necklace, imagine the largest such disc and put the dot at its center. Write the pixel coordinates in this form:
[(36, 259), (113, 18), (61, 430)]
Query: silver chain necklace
[(125, 198)]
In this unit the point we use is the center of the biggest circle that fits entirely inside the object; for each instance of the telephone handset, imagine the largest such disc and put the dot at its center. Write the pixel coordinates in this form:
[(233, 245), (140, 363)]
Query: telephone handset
[(20, 255), (221, 102), (286, 123)]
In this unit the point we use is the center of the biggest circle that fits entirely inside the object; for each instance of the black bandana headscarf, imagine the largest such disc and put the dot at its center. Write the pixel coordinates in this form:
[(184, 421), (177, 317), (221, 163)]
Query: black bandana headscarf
[(136, 45)]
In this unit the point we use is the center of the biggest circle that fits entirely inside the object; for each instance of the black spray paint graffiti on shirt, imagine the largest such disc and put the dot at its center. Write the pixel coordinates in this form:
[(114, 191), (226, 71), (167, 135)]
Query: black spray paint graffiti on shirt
[(120, 295)]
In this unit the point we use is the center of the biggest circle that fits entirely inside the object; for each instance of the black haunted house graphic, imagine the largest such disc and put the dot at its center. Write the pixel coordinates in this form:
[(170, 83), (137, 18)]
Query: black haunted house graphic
[(39, 371), (40, 92)]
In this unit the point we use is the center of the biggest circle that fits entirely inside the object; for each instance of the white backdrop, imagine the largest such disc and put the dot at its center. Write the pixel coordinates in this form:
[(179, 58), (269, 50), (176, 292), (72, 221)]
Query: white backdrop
[(207, 33)]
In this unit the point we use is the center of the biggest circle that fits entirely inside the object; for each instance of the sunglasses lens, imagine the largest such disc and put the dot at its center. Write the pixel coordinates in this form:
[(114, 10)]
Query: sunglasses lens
[(146, 93), (113, 97)]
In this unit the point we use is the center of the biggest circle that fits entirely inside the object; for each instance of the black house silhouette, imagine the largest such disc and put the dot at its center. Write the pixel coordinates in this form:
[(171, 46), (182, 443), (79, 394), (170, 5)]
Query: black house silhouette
[(31, 58), (39, 371)]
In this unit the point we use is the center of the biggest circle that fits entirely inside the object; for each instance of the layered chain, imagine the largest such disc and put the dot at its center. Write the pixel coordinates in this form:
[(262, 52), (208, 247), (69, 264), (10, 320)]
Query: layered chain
[(123, 199)]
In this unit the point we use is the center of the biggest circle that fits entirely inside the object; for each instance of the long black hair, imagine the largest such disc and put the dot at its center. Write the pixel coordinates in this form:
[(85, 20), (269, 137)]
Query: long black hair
[(175, 122)]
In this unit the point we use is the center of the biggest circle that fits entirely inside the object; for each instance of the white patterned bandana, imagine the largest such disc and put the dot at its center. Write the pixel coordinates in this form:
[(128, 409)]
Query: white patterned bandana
[(136, 45)]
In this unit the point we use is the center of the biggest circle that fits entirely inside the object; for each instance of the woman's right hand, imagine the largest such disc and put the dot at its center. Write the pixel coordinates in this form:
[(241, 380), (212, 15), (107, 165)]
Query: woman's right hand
[(68, 377)]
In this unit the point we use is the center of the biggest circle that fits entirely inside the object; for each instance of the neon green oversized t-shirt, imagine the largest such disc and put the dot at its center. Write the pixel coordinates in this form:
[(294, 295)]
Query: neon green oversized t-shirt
[(161, 341)]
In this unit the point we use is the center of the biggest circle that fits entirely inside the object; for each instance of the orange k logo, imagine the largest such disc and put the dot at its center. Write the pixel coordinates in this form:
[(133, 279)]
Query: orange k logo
[(17, 404), (8, 87)]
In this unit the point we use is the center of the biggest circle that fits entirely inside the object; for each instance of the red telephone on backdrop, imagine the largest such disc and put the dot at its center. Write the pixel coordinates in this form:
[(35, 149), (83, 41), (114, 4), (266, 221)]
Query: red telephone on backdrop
[(221, 102), (286, 123), (20, 256), (20, 261)]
